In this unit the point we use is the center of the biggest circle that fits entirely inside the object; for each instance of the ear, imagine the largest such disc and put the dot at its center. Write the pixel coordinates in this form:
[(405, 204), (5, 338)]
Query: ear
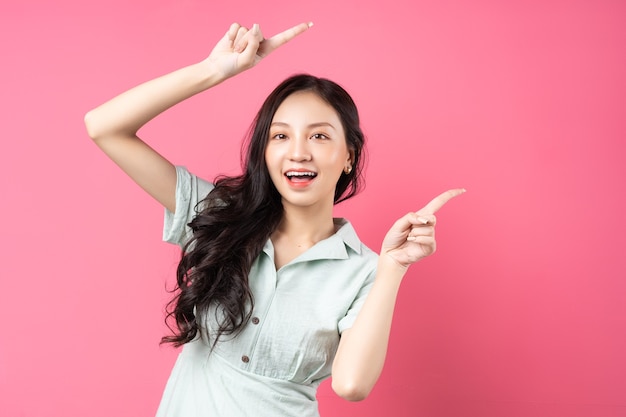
[(350, 160)]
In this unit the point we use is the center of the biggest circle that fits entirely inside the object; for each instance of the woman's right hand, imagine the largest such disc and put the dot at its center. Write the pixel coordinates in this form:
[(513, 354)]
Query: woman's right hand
[(113, 125), (241, 48)]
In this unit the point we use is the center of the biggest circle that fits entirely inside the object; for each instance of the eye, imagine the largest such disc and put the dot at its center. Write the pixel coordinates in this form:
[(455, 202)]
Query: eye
[(279, 136), (320, 136)]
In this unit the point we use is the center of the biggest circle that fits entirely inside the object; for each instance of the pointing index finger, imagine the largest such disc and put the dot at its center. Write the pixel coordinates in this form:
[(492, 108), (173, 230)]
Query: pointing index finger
[(438, 202), (282, 38)]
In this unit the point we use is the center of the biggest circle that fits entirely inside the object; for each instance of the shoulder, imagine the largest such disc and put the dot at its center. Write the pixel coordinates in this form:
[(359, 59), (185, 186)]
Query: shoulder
[(188, 183), (190, 190)]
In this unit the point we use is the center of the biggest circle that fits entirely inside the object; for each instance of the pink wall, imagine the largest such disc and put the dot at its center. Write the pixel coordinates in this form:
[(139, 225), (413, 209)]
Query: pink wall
[(520, 313)]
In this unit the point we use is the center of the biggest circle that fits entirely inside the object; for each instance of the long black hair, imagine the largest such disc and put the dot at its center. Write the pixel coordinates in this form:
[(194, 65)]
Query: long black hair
[(238, 216)]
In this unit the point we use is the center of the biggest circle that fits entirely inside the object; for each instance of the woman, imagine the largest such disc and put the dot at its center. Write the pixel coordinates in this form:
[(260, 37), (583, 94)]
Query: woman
[(274, 294)]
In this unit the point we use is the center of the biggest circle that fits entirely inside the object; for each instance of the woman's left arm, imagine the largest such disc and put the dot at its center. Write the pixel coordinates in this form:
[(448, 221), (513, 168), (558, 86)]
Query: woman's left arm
[(362, 349)]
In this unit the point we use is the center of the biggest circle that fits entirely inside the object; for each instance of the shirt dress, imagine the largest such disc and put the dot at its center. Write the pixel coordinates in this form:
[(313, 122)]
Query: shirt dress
[(274, 366)]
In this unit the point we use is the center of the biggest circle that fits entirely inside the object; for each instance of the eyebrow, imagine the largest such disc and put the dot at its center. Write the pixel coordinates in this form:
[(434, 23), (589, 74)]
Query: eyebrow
[(312, 125)]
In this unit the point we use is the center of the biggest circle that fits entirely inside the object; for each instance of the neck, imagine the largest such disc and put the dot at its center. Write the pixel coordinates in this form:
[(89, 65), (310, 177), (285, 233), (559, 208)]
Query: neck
[(306, 224)]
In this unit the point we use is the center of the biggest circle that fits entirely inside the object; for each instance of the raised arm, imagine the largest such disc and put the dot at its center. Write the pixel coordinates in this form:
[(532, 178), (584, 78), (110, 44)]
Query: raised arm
[(113, 125), (363, 348)]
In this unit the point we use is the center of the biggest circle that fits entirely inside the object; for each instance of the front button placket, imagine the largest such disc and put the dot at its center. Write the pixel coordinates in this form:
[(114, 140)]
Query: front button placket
[(263, 284)]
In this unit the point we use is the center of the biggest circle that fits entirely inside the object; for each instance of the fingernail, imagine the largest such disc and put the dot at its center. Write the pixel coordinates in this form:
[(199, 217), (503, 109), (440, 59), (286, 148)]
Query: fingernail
[(422, 220), (255, 28), (310, 24), (410, 238)]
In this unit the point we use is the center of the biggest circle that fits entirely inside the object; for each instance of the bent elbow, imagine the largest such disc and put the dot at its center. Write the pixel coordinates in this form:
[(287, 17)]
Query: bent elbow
[(351, 391), (91, 126)]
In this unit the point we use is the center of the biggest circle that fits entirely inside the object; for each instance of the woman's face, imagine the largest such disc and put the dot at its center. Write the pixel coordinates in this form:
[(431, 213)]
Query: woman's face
[(307, 151)]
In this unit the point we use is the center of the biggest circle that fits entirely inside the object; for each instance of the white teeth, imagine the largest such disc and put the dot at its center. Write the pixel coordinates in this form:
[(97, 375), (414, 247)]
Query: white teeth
[(300, 174)]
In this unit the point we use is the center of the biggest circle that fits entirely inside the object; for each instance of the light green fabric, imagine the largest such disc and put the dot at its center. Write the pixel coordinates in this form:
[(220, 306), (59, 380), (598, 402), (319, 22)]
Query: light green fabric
[(274, 366)]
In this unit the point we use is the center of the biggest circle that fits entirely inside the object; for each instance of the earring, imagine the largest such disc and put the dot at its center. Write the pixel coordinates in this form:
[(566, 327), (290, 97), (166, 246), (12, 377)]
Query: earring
[(347, 169)]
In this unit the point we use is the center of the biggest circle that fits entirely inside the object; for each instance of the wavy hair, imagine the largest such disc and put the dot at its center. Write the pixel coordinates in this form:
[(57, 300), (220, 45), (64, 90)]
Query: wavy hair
[(238, 216)]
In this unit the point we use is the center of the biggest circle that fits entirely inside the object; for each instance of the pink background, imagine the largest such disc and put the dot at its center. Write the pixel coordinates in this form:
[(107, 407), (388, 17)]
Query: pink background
[(522, 310)]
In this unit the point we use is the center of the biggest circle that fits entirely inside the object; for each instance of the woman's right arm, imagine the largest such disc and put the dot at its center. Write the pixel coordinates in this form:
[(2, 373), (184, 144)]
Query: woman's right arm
[(113, 125)]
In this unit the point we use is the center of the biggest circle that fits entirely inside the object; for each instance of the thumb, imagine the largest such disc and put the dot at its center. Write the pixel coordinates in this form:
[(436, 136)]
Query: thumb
[(250, 44)]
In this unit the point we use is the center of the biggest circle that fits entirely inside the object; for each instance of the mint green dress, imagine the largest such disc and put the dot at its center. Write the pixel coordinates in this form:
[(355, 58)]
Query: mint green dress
[(275, 365)]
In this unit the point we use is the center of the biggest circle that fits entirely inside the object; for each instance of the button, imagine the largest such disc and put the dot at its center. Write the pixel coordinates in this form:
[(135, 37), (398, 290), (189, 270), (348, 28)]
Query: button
[(245, 359), (255, 320)]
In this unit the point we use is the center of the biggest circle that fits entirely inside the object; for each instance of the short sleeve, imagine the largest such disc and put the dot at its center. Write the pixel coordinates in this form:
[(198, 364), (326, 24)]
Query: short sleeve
[(189, 191), (348, 320)]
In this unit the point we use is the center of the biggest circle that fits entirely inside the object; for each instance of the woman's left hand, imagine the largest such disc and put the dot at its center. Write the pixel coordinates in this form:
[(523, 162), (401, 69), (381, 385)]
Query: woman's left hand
[(412, 237)]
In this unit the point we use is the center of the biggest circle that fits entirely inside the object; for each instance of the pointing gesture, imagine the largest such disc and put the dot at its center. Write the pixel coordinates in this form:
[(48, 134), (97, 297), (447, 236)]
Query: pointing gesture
[(412, 237), (241, 48)]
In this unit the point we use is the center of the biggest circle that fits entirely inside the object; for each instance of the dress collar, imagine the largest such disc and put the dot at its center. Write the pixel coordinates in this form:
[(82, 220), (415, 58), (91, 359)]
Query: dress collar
[(333, 247)]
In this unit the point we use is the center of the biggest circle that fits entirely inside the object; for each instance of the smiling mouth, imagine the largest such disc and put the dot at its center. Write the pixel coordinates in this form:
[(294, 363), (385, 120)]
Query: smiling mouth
[(300, 176)]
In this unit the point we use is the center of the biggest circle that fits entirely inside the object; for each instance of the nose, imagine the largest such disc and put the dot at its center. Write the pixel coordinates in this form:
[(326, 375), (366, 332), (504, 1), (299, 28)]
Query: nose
[(299, 149)]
